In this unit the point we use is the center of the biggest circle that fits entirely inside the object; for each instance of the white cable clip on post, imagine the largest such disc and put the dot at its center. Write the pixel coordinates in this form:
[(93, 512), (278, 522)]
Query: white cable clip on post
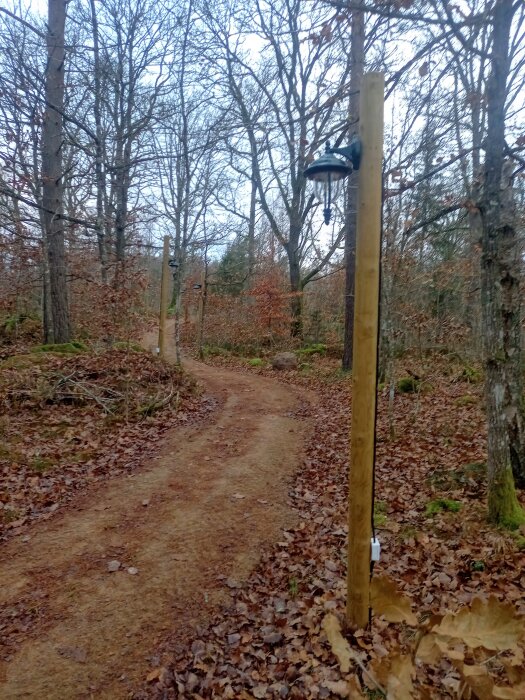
[(375, 549)]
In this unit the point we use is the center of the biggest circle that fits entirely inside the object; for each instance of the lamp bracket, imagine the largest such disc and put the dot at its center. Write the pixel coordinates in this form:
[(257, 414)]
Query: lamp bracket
[(351, 153)]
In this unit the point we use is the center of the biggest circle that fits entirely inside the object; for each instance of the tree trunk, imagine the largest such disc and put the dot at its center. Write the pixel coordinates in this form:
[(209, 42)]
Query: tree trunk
[(500, 288), (296, 289), (52, 182), (99, 154), (356, 79)]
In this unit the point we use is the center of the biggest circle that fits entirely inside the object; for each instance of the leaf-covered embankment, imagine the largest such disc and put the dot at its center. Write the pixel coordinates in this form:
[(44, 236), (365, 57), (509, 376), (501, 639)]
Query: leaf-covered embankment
[(68, 420)]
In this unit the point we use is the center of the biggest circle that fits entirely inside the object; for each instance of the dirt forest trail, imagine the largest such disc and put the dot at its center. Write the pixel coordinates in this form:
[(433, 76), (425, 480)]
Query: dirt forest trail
[(195, 515)]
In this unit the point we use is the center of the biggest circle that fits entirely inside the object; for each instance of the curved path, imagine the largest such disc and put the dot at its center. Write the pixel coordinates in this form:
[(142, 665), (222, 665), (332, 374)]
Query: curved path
[(196, 515)]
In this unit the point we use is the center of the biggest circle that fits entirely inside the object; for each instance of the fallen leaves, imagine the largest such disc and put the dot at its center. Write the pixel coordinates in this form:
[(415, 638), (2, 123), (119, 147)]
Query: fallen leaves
[(487, 623), (55, 444), (298, 589), (340, 647), (386, 600)]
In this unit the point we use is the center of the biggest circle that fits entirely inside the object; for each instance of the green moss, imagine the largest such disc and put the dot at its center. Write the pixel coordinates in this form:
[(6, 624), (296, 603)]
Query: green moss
[(440, 505), (504, 507), (380, 510), (408, 385), (256, 362), (215, 351), (467, 400), (22, 361), (313, 349), (520, 542), (123, 345), (62, 348)]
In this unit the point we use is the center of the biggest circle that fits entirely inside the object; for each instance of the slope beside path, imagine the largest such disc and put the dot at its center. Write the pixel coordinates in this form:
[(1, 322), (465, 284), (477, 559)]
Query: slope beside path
[(192, 519)]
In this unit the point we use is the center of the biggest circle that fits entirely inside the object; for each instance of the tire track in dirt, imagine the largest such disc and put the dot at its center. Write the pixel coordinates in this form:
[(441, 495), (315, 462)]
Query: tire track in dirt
[(216, 494)]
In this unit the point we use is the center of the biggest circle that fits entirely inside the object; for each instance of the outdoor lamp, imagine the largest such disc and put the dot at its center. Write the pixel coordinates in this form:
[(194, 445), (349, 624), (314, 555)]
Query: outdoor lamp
[(174, 265), (327, 172)]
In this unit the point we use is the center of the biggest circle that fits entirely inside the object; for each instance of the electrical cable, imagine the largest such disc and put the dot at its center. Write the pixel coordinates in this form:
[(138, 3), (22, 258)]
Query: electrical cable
[(377, 375)]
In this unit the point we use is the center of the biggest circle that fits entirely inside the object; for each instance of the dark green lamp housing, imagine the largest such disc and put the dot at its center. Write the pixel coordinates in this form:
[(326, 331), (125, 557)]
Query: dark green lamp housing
[(327, 173)]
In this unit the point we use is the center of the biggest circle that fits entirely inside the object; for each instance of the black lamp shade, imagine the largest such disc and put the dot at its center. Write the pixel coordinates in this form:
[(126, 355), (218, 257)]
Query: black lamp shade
[(327, 167)]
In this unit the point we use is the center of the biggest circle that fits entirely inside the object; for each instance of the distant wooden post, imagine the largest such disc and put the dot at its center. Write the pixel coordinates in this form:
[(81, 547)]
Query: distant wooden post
[(364, 390), (202, 301), (164, 296)]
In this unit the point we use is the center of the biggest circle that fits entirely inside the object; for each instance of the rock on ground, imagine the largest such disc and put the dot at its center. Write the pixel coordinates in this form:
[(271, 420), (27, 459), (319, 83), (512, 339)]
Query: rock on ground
[(284, 360)]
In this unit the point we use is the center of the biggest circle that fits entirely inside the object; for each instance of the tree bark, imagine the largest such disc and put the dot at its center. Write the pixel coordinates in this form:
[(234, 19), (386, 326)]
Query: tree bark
[(500, 292), (52, 173), (99, 150), (356, 79), (296, 289)]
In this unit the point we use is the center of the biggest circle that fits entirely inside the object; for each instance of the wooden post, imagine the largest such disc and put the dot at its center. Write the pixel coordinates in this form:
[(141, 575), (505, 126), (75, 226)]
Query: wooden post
[(364, 390), (202, 299), (164, 295)]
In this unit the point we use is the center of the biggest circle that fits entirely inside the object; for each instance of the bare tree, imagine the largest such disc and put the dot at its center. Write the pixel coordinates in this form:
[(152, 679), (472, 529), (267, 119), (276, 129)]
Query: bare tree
[(52, 173)]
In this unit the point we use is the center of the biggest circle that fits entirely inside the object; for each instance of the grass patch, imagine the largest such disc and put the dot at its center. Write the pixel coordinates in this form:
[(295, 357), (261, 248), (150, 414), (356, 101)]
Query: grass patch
[(9, 515), (40, 464), (442, 505), (471, 375), (256, 362)]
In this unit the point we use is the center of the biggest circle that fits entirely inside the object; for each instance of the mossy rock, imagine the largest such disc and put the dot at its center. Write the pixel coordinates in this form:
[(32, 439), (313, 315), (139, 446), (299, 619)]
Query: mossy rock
[(72, 348), (22, 361), (442, 505)]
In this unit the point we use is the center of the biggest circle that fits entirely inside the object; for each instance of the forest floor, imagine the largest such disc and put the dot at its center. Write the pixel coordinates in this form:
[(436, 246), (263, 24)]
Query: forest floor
[(438, 550), (208, 568), (88, 594)]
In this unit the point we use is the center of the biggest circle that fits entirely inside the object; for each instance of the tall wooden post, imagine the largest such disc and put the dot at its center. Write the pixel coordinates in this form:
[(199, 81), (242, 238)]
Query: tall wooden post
[(364, 390), (164, 296)]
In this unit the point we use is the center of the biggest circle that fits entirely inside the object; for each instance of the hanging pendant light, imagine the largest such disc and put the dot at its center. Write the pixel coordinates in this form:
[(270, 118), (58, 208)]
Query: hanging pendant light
[(327, 173)]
